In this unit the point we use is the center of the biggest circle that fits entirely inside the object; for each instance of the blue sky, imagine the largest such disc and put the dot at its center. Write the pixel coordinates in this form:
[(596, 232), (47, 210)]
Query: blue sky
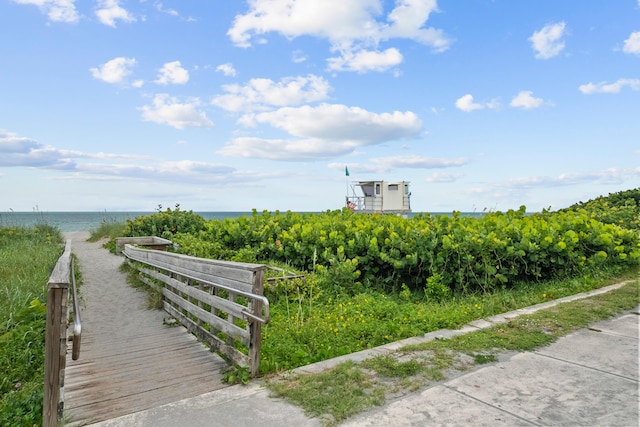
[(111, 105)]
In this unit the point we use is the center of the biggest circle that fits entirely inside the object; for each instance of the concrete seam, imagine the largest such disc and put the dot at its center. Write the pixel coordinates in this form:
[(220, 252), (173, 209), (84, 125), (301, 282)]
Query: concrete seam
[(490, 405), (634, 380)]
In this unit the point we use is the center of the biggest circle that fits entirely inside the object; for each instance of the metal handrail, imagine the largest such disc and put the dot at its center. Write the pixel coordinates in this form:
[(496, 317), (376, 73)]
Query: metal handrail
[(77, 321), (263, 299)]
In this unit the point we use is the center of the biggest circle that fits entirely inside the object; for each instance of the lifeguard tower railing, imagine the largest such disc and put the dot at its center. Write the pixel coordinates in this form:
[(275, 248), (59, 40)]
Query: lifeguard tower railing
[(373, 202)]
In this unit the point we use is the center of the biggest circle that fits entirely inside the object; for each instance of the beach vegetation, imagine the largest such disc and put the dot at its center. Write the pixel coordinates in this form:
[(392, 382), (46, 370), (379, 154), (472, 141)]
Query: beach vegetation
[(107, 229), (373, 279), (350, 387), (27, 256), (165, 223)]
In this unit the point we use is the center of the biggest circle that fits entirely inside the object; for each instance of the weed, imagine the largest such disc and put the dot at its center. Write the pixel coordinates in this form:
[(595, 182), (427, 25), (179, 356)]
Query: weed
[(336, 395), (237, 375), (388, 366), (326, 393)]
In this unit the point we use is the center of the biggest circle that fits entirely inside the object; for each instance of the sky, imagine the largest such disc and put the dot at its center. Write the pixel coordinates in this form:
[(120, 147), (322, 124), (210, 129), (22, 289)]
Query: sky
[(482, 105)]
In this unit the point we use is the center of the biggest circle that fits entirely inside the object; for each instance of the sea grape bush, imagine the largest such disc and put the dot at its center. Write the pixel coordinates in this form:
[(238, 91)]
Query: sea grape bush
[(426, 253), (165, 223), (621, 208)]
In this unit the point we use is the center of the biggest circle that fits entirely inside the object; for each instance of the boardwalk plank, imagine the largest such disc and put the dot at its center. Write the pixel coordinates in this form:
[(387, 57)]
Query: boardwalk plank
[(129, 360)]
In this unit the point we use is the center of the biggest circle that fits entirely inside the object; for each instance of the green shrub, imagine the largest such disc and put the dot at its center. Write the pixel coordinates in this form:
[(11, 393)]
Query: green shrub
[(384, 252), (165, 224)]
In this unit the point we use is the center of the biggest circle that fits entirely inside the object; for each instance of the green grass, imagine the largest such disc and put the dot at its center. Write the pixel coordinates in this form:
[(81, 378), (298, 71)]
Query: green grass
[(324, 395), (27, 256), (334, 396), (307, 327), (108, 228)]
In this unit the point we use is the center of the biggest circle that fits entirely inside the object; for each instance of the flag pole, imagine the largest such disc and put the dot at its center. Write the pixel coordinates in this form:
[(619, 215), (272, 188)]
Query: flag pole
[(346, 181)]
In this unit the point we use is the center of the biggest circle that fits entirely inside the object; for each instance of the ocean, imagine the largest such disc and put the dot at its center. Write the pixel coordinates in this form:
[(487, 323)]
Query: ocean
[(86, 221)]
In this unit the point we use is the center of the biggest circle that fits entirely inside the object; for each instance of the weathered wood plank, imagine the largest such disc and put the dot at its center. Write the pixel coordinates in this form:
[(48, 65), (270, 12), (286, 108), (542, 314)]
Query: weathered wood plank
[(168, 272), (229, 307), (216, 343), (130, 361), (55, 338), (234, 275), (220, 324)]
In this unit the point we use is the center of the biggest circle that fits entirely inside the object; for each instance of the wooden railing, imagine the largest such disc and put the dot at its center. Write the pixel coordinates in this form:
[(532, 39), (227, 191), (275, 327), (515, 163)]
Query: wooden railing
[(221, 302), (60, 281)]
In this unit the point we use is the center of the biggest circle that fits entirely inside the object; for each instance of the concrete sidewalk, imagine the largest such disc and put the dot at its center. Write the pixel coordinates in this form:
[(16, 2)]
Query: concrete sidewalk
[(588, 378)]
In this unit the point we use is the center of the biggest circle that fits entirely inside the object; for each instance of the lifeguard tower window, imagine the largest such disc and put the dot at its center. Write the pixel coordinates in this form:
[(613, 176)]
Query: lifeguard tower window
[(393, 187), (406, 189), (367, 190)]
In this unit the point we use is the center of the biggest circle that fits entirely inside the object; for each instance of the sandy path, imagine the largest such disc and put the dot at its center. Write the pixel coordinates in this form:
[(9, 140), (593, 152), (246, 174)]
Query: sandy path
[(110, 305), (129, 360)]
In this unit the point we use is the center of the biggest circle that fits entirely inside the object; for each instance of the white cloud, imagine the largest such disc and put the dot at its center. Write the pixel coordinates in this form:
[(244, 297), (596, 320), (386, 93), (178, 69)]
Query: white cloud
[(182, 170), (168, 110), (354, 28), (615, 87), (365, 60), (443, 178), (408, 19), (100, 155), (160, 7), (604, 176), (547, 42), (466, 104), (338, 122), (419, 162), (259, 93), (297, 56), (227, 69), (16, 151), (114, 71), (323, 132), (109, 11), (285, 149), (56, 10), (632, 44), (525, 99), (19, 151), (172, 73)]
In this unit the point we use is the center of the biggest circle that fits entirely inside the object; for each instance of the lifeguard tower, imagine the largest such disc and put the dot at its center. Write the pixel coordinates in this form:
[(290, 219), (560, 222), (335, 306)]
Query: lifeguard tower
[(389, 197)]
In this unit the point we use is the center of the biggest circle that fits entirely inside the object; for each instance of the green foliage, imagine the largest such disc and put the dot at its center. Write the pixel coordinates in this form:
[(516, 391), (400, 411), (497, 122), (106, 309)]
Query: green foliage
[(622, 208), (165, 224), (27, 256), (326, 394), (388, 366), (237, 375), (22, 407), (351, 252), (339, 394), (22, 347), (435, 290), (373, 279), (108, 228)]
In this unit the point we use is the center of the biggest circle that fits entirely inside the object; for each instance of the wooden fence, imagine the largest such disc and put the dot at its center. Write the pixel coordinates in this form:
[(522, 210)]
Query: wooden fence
[(61, 281), (221, 302)]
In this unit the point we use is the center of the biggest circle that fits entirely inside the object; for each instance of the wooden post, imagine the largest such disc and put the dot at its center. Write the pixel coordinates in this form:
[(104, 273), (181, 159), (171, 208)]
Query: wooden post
[(255, 327), (56, 339)]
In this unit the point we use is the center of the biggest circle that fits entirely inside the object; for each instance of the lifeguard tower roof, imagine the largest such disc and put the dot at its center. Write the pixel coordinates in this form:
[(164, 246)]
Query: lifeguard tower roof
[(391, 197)]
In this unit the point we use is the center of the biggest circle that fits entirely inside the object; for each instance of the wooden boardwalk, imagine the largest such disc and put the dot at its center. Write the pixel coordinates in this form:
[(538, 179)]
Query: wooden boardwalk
[(129, 360)]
